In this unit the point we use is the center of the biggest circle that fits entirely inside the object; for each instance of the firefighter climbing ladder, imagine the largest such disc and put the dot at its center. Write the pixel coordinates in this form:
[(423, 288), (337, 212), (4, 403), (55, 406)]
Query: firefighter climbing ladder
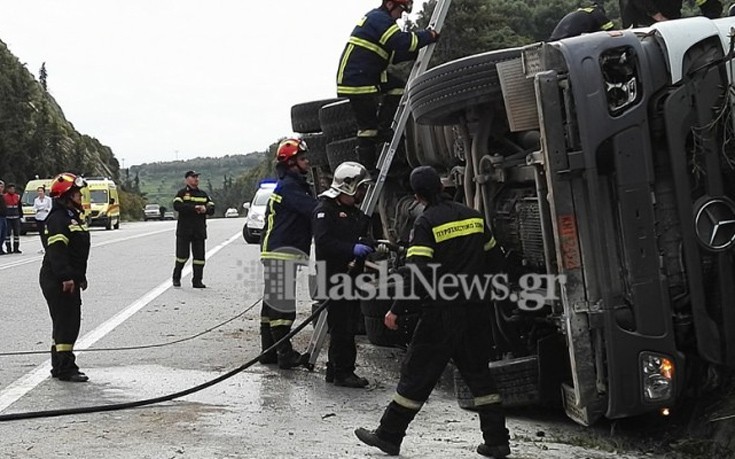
[(384, 162)]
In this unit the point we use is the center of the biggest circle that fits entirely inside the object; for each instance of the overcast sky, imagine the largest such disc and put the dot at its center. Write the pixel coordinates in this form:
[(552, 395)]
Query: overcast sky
[(151, 78)]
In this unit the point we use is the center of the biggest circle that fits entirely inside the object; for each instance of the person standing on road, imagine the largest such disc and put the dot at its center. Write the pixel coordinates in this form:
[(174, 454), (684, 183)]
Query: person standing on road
[(3, 215), (13, 217), (582, 20), (64, 273), (362, 76), (338, 224), (456, 324), (193, 206), (42, 206), (286, 242)]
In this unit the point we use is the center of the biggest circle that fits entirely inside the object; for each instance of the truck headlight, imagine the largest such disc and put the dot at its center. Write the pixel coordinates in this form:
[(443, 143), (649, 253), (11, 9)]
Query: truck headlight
[(658, 377)]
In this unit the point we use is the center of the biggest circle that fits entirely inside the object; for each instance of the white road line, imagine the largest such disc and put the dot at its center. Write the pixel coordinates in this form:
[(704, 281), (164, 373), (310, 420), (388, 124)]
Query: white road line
[(36, 258), (33, 378)]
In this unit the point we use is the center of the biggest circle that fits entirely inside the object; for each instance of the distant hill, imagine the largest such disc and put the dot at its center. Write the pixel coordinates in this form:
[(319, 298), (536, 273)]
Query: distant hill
[(223, 178)]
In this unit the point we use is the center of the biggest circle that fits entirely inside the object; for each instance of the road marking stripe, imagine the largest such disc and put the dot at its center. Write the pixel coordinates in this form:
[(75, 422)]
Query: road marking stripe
[(33, 378), (36, 258)]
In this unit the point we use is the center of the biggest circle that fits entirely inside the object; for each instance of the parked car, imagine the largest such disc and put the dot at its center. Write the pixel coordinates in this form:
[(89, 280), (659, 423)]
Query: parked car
[(255, 221), (231, 213), (169, 215), (152, 212)]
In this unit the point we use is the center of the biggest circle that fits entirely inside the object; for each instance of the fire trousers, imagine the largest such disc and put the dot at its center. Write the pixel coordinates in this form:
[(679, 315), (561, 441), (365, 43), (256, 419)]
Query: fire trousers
[(66, 316), (183, 243)]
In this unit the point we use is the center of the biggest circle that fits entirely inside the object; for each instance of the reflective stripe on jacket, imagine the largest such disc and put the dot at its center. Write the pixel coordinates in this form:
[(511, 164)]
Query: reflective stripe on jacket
[(288, 218), (191, 223), (375, 42)]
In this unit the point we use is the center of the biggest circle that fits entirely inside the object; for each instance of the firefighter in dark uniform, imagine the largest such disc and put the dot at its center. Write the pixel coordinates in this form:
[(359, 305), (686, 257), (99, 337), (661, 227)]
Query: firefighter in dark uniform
[(338, 225), (285, 245), (642, 13), (193, 206), (583, 20), (455, 240), (64, 273), (362, 75)]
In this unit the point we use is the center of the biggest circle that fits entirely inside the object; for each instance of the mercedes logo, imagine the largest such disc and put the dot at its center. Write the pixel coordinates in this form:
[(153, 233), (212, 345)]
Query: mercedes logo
[(715, 224)]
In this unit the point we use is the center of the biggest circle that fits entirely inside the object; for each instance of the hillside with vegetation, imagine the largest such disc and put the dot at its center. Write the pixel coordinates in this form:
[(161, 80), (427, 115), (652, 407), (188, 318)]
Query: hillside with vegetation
[(230, 180)]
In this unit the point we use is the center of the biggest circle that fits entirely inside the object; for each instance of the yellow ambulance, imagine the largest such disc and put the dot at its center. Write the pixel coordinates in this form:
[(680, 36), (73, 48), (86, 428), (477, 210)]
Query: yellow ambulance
[(105, 203)]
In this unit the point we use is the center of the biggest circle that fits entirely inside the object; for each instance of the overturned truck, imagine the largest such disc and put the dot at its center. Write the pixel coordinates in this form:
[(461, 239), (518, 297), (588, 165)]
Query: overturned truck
[(605, 160)]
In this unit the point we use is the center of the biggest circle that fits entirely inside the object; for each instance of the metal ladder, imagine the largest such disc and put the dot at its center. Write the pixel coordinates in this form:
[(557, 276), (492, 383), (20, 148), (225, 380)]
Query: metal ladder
[(384, 162)]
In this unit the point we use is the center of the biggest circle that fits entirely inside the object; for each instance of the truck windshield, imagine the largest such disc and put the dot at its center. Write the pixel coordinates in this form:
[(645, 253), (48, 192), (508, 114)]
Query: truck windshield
[(98, 196), (28, 197)]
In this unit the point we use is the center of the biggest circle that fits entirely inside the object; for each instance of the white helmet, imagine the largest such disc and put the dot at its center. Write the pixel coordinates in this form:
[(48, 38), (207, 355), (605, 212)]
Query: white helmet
[(348, 177)]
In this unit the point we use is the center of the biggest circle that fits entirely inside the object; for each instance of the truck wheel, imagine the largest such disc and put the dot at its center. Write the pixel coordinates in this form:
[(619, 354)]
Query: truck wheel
[(441, 94), (337, 120), (317, 144), (305, 117), (340, 151), (379, 335)]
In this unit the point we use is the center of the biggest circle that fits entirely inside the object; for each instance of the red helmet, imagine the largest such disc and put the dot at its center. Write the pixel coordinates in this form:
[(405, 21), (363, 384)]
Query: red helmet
[(289, 148), (65, 182)]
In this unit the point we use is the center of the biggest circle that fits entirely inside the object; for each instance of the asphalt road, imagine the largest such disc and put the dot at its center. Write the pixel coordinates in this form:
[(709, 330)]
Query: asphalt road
[(261, 412)]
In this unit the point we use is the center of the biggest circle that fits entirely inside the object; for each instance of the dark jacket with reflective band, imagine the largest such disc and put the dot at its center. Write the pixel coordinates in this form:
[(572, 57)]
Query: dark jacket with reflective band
[(376, 42), (288, 218), (68, 246), (584, 20), (456, 238), (192, 224), (337, 229)]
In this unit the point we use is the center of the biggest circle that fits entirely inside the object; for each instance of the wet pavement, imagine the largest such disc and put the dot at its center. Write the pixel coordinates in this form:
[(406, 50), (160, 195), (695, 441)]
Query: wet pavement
[(260, 412)]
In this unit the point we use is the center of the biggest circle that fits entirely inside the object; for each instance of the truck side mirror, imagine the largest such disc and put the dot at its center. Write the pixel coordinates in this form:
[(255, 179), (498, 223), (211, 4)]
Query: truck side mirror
[(246, 206)]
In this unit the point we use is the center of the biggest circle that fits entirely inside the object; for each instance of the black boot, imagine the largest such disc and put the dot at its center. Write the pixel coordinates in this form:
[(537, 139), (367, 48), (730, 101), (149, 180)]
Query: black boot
[(494, 432), (287, 356), (351, 381), (266, 341), (389, 435), (16, 247), (366, 153), (68, 369), (196, 280), (176, 277), (54, 362)]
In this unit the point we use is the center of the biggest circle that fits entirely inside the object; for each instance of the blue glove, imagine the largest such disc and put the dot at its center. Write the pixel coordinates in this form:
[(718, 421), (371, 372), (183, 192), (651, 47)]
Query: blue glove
[(361, 250)]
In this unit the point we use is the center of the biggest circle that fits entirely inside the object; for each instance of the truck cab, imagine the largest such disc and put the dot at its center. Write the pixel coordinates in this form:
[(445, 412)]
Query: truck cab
[(605, 165)]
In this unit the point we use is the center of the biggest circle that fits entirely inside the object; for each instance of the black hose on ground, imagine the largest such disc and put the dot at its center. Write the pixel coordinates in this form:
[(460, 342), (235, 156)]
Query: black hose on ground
[(143, 346), (164, 398)]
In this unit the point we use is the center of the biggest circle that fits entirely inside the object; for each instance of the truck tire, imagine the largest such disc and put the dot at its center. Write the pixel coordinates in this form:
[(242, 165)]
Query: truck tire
[(305, 116), (340, 151), (441, 94), (379, 335), (517, 381), (317, 144), (337, 120)]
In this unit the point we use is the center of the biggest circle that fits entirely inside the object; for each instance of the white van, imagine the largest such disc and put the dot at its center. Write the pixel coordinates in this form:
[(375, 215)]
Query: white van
[(255, 221)]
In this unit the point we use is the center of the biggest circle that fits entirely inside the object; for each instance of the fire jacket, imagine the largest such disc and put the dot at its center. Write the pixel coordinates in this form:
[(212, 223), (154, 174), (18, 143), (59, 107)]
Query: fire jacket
[(68, 245), (337, 229), (449, 238), (13, 205), (584, 20), (192, 224), (288, 218), (376, 42)]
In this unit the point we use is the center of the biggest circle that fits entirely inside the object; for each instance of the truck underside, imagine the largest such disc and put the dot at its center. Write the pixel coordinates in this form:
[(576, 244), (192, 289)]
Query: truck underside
[(606, 160)]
